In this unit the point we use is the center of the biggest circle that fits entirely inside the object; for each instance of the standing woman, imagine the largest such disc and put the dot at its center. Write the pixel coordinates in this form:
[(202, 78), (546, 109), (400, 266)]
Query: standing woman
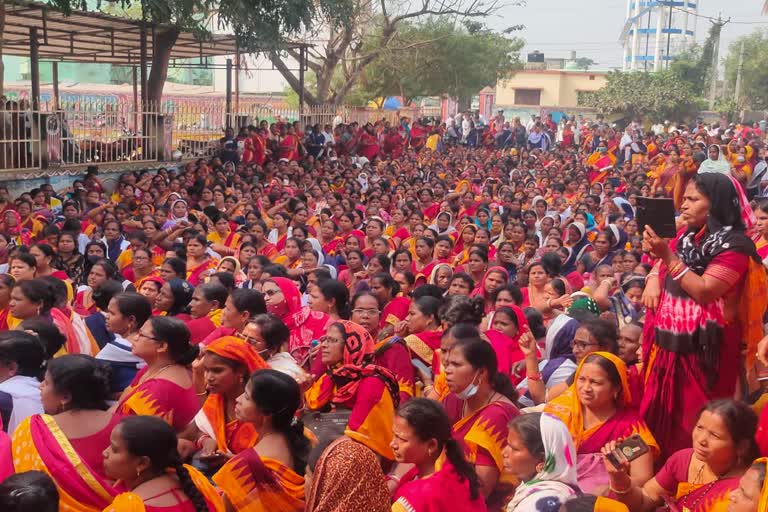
[(422, 435), (714, 279), (142, 450), (164, 387), (199, 263), (69, 258), (270, 475), (480, 405)]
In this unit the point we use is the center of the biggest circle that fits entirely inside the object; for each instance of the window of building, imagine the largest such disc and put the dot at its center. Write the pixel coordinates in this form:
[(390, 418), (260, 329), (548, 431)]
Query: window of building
[(527, 97)]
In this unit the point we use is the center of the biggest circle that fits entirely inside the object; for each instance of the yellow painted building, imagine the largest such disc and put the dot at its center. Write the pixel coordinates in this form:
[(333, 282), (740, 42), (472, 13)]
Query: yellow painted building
[(547, 88)]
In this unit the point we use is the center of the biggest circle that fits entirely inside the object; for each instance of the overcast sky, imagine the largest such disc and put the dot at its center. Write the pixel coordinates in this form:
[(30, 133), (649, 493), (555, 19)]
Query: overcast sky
[(592, 27)]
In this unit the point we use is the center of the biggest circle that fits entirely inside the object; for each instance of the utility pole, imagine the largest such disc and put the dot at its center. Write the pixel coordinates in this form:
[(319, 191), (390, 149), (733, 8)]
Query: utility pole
[(738, 74), (719, 24)]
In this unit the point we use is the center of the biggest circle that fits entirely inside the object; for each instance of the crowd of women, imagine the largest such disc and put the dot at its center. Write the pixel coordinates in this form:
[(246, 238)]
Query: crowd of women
[(465, 329)]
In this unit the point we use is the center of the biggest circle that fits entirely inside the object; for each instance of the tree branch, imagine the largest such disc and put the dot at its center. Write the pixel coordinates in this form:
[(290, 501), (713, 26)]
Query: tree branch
[(291, 78)]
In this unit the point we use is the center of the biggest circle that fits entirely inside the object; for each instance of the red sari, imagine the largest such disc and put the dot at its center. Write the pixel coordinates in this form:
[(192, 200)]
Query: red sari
[(288, 148), (305, 325), (442, 490), (162, 398), (424, 347), (395, 311), (369, 146), (195, 275), (673, 478), (200, 328)]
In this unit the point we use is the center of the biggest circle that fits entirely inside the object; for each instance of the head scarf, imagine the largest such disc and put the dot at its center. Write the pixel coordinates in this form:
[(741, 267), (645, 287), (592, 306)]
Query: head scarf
[(291, 295), (480, 288), (178, 219), (620, 236), (556, 482), (586, 303), (182, 295), (433, 274), (450, 229), (358, 363), (568, 407), (337, 485), (21, 235), (559, 336), (230, 347), (577, 249), (477, 221), (721, 165), (233, 260)]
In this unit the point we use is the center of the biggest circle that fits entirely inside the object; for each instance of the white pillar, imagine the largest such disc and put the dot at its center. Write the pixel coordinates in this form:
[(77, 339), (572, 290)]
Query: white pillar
[(659, 28), (635, 35)]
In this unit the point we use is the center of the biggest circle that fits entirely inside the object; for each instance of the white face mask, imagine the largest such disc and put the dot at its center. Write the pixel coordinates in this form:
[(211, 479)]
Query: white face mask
[(740, 158), (469, 391)]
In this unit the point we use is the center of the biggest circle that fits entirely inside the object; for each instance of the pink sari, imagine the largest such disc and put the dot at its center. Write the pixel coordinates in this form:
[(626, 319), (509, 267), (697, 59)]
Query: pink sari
[(442, 490), (305, 325)]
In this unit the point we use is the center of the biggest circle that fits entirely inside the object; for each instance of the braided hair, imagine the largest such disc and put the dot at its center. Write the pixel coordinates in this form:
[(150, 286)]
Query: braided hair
[(151, 437)]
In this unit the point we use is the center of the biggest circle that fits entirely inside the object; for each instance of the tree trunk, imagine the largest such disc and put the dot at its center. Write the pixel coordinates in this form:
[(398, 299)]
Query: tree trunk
[(2, 31), (161, 57), (465, 103)]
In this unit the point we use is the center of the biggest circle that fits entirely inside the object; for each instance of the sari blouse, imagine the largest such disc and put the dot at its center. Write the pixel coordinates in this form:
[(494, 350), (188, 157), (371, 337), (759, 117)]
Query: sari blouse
[(711, 497), (443, 490), (231, 436), (255, 484), (162, 398)]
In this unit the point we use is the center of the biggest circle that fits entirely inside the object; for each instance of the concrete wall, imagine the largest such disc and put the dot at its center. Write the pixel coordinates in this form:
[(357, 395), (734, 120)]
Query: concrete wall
[(558, 88)]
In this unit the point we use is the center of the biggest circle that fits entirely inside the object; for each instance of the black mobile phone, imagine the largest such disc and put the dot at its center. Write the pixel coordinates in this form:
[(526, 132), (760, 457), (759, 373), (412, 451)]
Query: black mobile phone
[(659, 213), (631, 447)]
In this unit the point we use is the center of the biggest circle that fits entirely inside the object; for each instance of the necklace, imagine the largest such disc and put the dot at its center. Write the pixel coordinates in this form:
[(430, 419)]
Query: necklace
[(148, 375), (464, 407)]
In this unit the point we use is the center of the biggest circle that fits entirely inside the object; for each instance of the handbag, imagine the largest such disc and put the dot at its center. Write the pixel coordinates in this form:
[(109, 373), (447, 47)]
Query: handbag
[(327, 425)]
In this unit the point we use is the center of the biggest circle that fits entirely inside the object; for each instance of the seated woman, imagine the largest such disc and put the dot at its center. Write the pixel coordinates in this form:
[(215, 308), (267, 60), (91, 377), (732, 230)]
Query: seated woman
[(480, 405), (143, 459), (507, 325), (241, 305), (494, 278), (391, 352), (354, 383), (284, 301), (174, 298), (164, 387), (540, 453), (394, 306), (268, 335), (101, 271), (422, 333), (68, 442), (597, 409), (701, 478), (205, 308), (216, 432), (752, 492), (626, 303), (269, 475), (199, 263), (21, 358), (422, 435)]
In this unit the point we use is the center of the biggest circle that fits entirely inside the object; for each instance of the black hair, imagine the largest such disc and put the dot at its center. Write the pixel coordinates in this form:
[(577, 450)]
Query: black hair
[(178, 265), (39, 292), (604, 333), (428, 420), (82, 377), (480, 354), (151, 437), (383, 260), (250, 300), (225, 279), (584, 503), (25, 258), (338, 291), (506, 310), (558, 285), (463, 276), (427, 290), (514, 291), (278, 396), (46, 249), (135, 305), (535, 322), (30, 490), (460, 309), (273, 330), (429, 307), (182, 293), (460, 331), (176, 334), (104, 293), (528, 428), (608, 367), (388, 282), (23, 349), (50, 335), (551, 263), (274, 270), (741, 422), (109, 267), (214, 292)]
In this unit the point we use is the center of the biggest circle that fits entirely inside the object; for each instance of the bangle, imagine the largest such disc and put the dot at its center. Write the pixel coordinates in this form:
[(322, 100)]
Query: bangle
[(652, 274), (619, 492), (536, 377), (202, 393), (681, 274), (199, 442)]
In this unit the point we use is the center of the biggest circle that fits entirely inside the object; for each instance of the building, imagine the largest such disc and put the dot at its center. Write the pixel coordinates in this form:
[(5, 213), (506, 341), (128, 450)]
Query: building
[(548, 88), (657, 30)]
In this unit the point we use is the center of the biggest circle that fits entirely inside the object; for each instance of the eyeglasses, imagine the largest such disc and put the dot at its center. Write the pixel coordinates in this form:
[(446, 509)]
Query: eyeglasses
[(148, 337), (249, 339), (366, 312), (582, 345), (271, 293), (328, 340)]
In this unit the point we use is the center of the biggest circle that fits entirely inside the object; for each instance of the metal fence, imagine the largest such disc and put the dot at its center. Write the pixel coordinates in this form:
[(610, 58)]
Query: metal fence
[(88, 132)]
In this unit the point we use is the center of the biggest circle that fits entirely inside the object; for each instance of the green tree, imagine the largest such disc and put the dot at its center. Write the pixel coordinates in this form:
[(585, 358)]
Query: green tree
[(694, 65), (754, 77), (256, 24), (452, 59), (652, 96), (373, 30), (584, 63)]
